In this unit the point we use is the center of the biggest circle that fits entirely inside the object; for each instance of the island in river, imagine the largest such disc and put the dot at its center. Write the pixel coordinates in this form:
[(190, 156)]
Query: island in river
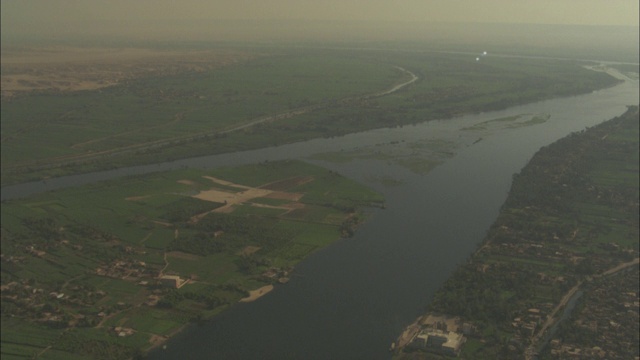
[(567, 233), (112, 269), (201, 102)]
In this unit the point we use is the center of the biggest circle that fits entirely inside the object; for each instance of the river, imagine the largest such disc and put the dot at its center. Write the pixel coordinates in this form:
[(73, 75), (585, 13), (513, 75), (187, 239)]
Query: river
[(351, 299)]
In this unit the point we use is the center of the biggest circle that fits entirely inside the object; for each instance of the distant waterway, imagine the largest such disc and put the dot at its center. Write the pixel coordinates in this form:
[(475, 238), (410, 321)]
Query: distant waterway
[(568, 310), (351, 299)]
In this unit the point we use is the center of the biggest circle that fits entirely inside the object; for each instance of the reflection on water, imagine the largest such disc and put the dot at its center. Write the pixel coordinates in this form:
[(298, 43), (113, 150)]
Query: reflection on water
[(352, 299)]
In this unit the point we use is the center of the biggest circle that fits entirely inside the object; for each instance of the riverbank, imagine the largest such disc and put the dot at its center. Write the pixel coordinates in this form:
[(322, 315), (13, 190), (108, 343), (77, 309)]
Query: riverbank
[(178, 248), (369, 94), (258, 293), (379, 249), (570, 216)]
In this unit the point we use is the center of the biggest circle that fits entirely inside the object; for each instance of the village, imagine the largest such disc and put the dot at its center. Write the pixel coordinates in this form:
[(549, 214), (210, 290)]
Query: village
[(437, 334), (69, 305), (607, 326), (557, 274)]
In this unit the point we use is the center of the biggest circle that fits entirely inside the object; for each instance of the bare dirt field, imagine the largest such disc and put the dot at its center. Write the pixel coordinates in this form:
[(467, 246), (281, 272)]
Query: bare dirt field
[(230, 198), (225, 182), (186, 182), (62, 69), (255, 294), (156, 340)]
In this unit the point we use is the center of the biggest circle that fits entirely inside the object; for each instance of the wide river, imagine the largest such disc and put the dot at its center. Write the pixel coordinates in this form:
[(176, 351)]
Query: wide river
[(351, 299)]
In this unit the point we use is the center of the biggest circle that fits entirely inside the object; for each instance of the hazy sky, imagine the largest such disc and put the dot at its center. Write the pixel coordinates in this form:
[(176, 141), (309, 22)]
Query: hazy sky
[(99, 16), (609, 12)]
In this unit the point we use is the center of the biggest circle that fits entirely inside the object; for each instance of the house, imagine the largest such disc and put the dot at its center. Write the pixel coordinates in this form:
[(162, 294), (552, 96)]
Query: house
[(171, 281), (438, 341)]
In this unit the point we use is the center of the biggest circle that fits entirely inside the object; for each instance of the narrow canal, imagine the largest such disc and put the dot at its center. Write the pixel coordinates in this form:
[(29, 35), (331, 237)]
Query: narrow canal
[(353, 298)]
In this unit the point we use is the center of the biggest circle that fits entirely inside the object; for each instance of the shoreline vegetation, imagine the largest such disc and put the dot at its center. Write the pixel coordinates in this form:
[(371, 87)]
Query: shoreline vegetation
[(158, 252), (568, 227), (171, 249), (230, 103)]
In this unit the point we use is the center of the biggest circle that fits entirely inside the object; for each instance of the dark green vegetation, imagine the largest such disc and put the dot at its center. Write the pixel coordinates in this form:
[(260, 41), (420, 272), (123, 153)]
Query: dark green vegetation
[(282, 97), (81, 267), (570, 223), (608, 308)]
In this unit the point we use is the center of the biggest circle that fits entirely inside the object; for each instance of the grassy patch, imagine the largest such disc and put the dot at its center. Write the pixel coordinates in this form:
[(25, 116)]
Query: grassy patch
[(92, 255), (325, 87)]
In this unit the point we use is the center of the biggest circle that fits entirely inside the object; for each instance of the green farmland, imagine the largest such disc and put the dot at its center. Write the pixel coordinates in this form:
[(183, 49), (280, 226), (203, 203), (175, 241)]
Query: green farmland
[(276, 97), (113, 269), (570, 223), (81, 267)]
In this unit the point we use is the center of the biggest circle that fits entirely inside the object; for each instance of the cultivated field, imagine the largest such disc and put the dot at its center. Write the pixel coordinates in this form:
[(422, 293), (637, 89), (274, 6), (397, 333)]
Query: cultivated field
[(82, 268), (169, 105)]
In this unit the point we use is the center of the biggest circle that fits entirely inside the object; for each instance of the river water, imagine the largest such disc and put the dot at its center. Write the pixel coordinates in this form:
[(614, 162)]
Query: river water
[(351, 299)]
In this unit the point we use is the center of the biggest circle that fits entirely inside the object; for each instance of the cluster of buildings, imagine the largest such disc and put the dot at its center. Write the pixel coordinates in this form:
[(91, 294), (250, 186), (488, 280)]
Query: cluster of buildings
[(607, 324), (277, 274), (526, 324), (572, 352), (121, 269), (123, 331), (134, 270), (172, 281), (38, 304), (445, 342), (560, 250), (441, 334)]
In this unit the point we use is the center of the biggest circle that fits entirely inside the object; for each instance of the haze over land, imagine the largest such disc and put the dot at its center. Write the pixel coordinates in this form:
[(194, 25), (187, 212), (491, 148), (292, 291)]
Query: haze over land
[(374, 20), (66, 16), (201, 153)]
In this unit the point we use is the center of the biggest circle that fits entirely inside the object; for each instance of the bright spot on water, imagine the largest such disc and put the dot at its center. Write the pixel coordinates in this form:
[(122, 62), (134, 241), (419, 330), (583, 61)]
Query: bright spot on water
[(477, 59), (484, 53)]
